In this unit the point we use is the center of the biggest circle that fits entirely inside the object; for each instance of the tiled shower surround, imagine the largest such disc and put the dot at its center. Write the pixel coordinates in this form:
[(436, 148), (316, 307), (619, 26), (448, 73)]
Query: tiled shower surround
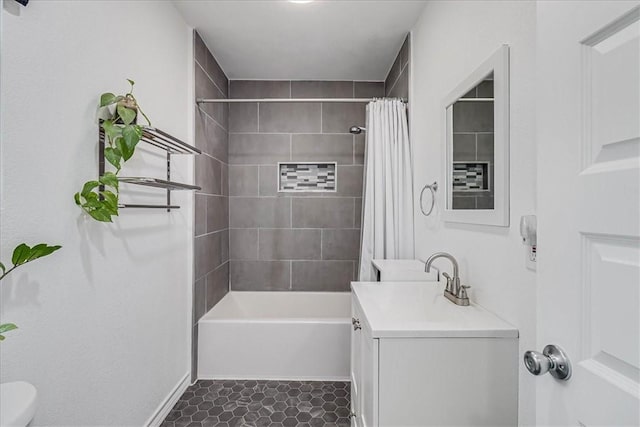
[(397, 81), (211, 243), (295, 241)]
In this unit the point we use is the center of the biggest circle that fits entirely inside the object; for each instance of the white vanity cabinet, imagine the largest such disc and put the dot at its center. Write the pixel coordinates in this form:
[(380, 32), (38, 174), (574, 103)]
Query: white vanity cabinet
[(364, 372), (414, 365)]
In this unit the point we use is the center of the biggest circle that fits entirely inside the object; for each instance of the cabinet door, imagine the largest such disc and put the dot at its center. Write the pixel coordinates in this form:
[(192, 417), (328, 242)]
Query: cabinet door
[(364, 372), (368, 414), (356, 366)]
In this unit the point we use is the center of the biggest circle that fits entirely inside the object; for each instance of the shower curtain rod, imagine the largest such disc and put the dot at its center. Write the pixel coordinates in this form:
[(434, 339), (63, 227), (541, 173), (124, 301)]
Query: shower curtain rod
[(232, 101)]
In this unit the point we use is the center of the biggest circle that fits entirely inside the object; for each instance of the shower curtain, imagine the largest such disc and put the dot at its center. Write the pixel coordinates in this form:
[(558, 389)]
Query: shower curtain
[(387, 200)]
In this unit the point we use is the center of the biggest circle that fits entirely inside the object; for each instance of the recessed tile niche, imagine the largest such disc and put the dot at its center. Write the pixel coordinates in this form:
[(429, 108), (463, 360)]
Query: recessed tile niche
[(307, 177)]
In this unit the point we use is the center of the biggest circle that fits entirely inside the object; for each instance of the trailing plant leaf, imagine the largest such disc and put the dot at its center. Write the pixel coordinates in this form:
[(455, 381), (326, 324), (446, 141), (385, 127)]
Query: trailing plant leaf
[(131, 134), (110, 179), (122, 136), (6, 327), (23, 254), (41, 250), (107, 99), (112, 131), (124, 149), (113, 156), (100, 205), (126, 114), (88, 187), (101, 214), (110, 202), (20, 254)]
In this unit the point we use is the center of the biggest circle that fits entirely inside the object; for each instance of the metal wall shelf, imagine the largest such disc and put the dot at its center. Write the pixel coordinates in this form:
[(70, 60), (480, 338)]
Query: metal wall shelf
[(158, 183), (164, 141)]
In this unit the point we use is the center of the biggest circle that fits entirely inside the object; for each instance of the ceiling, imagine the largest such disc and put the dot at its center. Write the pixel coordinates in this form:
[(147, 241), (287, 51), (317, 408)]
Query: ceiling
[(319, 40)]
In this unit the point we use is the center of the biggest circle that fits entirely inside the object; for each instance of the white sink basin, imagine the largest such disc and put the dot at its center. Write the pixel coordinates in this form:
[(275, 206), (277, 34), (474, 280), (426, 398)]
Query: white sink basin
[(403, 270), (421, 310), (17, 404)]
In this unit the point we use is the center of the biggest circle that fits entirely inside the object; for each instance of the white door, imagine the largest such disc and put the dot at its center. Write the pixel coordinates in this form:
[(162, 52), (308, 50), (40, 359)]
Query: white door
[(588, 131)]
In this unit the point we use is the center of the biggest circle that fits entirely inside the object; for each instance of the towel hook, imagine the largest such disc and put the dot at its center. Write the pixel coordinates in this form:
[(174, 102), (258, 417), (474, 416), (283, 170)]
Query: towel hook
[(433, 188)]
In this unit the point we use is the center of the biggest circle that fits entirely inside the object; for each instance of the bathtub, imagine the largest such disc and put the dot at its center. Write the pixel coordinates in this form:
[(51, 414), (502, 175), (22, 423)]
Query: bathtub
[(276, 335)]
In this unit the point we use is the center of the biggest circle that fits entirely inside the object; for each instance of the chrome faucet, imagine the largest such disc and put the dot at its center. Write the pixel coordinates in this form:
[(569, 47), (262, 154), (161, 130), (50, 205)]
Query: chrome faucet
[(454, 291)]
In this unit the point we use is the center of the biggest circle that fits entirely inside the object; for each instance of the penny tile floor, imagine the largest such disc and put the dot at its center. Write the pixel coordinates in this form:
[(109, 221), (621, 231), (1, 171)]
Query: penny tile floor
[(253, 403)]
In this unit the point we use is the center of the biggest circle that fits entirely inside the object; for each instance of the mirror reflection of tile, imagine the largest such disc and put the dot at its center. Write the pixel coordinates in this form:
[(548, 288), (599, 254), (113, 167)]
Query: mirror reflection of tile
[(473, 136)]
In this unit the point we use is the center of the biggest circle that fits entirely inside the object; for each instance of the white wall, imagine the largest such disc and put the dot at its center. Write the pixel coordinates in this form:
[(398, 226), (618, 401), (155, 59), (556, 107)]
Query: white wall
[(104, 322), (449, 41)]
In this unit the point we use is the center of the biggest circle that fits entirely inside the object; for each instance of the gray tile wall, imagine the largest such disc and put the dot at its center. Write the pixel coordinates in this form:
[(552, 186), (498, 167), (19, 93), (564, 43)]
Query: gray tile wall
[(299, 241), (473, 141), (397, 81), (211, 241)]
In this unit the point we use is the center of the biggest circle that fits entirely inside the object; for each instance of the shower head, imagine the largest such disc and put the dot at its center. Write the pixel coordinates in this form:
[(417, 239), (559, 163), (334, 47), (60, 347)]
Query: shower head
[(356, 130)]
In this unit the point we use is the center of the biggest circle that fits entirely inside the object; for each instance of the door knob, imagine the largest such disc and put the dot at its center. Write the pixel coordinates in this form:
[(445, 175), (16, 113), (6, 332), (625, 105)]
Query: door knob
[(552, 359)]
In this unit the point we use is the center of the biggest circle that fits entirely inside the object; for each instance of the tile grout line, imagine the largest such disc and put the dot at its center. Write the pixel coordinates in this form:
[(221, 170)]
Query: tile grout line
[(476, 143), (211, 118), (211, 78), (291, 229), (402, 69), (297, 133), (259, 186)]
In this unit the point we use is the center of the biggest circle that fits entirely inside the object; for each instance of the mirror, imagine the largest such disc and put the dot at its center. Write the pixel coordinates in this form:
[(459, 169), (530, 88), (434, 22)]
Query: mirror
[(477, 145)]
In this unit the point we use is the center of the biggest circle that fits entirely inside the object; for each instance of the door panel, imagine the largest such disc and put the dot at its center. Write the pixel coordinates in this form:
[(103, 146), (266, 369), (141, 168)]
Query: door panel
[(589, 209)]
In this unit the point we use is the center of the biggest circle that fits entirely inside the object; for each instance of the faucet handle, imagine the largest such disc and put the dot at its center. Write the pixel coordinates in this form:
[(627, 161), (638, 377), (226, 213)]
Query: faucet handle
[(449, 282), (462, 292)]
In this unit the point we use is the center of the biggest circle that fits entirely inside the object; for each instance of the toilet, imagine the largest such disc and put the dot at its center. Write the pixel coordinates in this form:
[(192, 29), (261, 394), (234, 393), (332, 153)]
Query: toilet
[(17, 403)]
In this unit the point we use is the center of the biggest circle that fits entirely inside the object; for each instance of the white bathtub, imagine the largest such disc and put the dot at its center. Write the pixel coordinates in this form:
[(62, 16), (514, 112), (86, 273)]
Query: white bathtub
[(276, 335)]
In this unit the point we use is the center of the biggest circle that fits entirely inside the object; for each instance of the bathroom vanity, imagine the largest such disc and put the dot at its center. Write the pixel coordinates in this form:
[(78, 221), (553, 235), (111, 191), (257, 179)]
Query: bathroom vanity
[(419, 360)]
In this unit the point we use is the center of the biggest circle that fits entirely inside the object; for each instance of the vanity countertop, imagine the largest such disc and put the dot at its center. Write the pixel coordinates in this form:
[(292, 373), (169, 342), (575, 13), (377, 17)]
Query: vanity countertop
[(420, 310)]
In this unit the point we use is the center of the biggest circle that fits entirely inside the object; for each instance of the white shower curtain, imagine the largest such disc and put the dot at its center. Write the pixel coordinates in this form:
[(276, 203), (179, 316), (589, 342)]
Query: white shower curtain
[(387, 204)]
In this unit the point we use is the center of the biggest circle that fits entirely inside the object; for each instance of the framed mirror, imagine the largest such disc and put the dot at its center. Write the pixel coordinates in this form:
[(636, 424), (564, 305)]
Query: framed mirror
[(477, 145)]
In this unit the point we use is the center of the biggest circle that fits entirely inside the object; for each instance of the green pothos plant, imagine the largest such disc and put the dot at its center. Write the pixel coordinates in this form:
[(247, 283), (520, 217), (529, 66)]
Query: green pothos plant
[(23, 254), (117, 115)]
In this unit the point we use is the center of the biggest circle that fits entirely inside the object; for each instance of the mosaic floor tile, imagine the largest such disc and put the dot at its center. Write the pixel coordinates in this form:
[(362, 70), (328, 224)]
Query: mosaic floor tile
[(251, 403)]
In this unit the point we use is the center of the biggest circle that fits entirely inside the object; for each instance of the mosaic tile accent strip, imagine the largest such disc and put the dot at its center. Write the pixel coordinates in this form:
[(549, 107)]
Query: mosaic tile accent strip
[(251, 403), (469, 177), (317, 177)]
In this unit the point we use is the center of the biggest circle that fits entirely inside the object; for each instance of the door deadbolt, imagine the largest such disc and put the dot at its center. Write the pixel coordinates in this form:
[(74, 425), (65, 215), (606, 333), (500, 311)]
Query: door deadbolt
[(552, 359)]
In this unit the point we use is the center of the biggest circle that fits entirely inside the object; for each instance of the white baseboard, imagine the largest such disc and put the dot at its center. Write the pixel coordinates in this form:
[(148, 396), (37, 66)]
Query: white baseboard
[(162, 411)]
